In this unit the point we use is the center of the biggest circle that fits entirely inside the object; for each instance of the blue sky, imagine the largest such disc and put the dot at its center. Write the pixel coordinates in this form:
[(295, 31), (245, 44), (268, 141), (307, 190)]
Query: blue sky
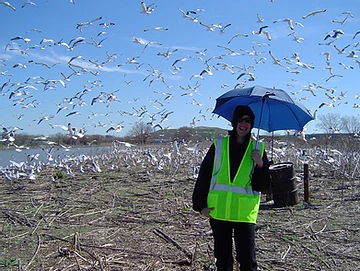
[(106, 89)]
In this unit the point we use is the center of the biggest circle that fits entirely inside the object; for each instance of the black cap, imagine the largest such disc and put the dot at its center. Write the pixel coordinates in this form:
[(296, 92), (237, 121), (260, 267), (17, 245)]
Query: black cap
[(240, 111)]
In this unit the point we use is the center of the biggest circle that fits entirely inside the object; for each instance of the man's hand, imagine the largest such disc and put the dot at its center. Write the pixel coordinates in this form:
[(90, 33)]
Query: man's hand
[(256, 156), (206, 212)]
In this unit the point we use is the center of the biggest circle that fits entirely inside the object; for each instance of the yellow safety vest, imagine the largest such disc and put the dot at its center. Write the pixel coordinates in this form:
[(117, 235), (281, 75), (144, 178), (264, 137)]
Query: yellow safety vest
[(233, 201)]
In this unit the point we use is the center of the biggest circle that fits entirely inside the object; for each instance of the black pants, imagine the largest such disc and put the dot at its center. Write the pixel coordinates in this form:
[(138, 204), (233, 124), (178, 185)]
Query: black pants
[(244, 236)]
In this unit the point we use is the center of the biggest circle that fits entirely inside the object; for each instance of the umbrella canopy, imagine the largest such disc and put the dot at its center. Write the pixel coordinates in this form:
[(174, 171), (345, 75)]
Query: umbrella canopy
[(274, 109)]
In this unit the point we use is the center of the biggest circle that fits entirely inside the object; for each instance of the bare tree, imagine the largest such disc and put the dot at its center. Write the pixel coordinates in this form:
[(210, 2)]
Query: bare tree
[(331, 123), (140, 132), (184, 134), (351, 124)]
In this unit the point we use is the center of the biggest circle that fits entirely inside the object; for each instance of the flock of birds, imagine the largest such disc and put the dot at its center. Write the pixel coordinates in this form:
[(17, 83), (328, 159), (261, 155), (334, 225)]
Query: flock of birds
[(94, 34), (167, 160)]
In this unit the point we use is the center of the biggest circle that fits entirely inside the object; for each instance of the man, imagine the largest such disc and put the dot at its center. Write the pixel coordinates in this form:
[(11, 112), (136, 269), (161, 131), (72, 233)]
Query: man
[(227, 191)]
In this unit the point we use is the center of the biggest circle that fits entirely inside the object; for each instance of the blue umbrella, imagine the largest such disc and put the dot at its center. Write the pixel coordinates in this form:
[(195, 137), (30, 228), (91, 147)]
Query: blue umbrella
[(274, 109)]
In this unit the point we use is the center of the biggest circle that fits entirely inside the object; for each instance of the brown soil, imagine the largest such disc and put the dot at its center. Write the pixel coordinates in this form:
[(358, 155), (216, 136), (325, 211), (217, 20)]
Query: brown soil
[(130, 219)]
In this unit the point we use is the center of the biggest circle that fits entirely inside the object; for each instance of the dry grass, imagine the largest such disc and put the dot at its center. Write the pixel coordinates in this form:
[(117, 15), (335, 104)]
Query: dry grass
[(129, 220)]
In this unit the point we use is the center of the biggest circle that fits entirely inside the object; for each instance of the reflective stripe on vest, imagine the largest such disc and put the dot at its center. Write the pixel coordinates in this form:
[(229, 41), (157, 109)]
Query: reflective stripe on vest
[(233, 201)]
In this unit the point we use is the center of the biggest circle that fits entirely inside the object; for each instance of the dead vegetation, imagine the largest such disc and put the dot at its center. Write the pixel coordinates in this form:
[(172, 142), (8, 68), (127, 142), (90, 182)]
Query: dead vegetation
[(128, 219)]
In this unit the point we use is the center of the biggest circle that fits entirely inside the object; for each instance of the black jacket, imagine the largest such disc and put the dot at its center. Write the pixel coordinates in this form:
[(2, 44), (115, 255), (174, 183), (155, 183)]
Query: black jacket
[(260, 179)]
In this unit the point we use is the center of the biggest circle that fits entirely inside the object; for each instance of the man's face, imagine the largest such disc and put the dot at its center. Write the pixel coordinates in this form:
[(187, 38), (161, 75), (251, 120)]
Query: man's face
[(243, 126)]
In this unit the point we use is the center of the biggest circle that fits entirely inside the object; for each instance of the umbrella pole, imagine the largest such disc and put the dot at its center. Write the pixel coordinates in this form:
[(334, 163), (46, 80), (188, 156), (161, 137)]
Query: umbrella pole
[(257, 146), (272, 145)]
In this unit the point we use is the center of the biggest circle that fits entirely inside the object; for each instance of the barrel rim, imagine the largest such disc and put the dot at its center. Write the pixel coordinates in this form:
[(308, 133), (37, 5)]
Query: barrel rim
[(279, 166)]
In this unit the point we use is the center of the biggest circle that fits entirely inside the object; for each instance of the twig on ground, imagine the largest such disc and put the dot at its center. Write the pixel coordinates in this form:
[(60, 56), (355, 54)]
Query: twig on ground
[(168, 238), (36, 251)]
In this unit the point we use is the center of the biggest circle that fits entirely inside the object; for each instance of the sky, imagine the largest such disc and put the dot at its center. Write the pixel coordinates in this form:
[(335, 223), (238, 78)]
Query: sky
[(102, 64)]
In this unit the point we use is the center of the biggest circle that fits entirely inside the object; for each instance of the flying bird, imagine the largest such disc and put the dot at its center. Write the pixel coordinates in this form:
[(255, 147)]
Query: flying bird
[(29, 3), (357, 32), (288, 20), (7, 4), (259, 19), (147, 9), (276, 61), (260, 30), (335, 34), (313, 13), (267, 34), (237, 35), (341, 51)]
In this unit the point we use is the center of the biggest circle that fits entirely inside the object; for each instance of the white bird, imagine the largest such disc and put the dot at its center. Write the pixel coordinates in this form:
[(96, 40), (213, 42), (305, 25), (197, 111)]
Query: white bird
[(335, 34), (297, 39), (251, 75), (259, 19), (287, 20), (342, 22), (332, 76), (107, 25), (208, 27), (118, 128), (275, 61), (347, 13), (310, 89), (267, 34), (327, 54), (260, 30), (352, 54), (26, 40), (156, 28), (326, 104), (237, 35), (186, 15), (313, 13), (341, 51), (346, 67), (29, 3), (304, 65), (7, 4), (147, 9)]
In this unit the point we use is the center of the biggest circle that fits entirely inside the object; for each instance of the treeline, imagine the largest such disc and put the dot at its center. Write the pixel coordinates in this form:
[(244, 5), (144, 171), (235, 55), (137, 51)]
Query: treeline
[(135, 136)]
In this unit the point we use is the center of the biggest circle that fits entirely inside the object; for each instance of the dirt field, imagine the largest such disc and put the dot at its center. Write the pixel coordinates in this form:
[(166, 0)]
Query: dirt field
[(133, 219)]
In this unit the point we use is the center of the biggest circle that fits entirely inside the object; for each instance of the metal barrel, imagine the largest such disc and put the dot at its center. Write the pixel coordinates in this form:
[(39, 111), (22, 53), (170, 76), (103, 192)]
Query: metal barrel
[(283, 184)]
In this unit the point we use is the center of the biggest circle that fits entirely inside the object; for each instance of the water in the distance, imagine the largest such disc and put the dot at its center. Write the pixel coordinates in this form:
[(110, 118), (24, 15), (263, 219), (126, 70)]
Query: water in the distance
[(43, 154)]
